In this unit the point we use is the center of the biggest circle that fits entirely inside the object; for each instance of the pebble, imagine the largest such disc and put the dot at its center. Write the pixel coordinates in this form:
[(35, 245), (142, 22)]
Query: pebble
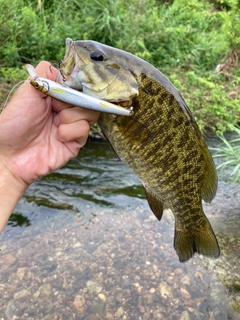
[(94, 286), (126, 281), (57, 281), (119, 297), (11, 310), (3, 247), (155, 268), (185, 293), (22, 295), (178, 271), (102, 297), (78, 303), (21, 272), (109, 316), (77, 245), (164, 290), (186, 280), (119, 312), (159, 315), (146, 316), (46, 308), (45, 292), (184, 316), (98, 308), (47, 317), (141, 309), (9, 260), (149, 299), (48, 265), (90, 317)]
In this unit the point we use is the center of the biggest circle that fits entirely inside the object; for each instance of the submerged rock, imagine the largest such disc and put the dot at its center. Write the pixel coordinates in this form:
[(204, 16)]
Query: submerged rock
[(79, 303), (94, 286), (185, 316), (98, 308), (165, 290), (119, 312), (22, 295), (9, 260)]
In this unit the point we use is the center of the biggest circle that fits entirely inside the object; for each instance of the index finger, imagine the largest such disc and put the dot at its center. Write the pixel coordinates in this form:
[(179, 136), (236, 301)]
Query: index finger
[(46, 70)]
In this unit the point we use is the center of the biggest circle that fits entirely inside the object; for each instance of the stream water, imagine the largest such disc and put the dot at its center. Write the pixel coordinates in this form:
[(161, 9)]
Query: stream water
[(83, 244)]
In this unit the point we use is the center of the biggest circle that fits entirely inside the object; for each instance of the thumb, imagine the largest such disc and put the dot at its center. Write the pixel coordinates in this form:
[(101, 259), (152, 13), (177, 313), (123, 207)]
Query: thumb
[(45, 70)]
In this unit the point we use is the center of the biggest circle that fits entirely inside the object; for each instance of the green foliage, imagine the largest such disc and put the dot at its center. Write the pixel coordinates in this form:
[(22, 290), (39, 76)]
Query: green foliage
[(186, 33), (16, 73), (184, 38), (229, 152), (210, 99)]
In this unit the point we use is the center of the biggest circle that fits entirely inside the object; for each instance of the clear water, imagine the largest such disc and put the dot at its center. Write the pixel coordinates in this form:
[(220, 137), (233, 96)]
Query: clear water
[(83, 244)]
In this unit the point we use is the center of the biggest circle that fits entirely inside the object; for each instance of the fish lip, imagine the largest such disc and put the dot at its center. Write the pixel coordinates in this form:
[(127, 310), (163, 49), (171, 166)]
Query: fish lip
[(69, 42), (70, 65)]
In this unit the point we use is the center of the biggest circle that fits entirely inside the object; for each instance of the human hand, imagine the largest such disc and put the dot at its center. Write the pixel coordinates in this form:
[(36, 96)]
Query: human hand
[(39, 134)]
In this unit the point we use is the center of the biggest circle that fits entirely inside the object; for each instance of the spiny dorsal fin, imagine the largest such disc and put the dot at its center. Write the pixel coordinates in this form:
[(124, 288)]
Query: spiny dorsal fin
[(154, 203)]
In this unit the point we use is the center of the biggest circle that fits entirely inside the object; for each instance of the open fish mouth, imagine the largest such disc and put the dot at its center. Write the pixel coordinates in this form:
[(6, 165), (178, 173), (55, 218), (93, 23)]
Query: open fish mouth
[(69, 66), (85, 69)]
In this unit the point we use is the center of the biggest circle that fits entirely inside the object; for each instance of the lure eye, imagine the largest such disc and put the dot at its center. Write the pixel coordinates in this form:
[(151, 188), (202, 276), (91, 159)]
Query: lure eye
[(96, 56), (36, 85)]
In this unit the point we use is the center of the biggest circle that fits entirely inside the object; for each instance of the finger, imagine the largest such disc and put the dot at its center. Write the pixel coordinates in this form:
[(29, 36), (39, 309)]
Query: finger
[(76, 131), (60, 105), (73, 114), (74, 147), (45, 70)]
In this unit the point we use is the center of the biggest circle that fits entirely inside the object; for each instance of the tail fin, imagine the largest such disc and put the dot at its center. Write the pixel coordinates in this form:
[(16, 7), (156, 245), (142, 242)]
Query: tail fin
[(202, 241)]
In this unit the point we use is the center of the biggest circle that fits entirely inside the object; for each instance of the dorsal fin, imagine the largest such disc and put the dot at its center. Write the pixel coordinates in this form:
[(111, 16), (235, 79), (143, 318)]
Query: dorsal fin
[(209, 188)]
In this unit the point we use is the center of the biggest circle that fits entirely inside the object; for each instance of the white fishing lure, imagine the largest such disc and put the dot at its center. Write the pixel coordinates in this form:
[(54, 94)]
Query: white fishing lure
[(72, 96)]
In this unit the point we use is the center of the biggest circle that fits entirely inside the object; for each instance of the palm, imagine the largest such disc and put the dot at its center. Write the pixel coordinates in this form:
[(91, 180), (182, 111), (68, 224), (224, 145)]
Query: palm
[(30, 137)]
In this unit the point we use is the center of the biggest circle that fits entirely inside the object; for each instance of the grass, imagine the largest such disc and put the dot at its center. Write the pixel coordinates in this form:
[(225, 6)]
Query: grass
[(229, 152), (185, 39)]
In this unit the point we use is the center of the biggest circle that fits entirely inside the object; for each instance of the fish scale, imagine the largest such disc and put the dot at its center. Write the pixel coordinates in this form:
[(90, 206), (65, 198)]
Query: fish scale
[(161, 143)]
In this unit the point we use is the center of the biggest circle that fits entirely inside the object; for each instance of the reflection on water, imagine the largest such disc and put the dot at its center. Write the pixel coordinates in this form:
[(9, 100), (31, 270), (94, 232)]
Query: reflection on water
[(18, 220), (88, 247)]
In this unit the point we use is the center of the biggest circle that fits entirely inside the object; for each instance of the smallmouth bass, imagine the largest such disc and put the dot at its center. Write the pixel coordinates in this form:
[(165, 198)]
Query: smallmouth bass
[(161, 143)]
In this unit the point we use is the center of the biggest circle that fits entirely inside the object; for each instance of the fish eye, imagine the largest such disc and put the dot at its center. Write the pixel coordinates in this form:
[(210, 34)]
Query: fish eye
[(96, 56)]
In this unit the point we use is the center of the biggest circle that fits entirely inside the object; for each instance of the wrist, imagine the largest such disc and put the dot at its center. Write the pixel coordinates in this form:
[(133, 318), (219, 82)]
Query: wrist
[(11, 191), (10, 181)]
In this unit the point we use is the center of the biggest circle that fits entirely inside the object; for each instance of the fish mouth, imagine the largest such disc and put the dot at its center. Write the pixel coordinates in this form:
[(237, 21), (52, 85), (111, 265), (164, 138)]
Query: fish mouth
[(69, 66)]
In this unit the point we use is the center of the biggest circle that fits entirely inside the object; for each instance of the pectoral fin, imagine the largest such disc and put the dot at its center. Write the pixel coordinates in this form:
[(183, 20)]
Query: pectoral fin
[(155, 204), (110, 145)]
